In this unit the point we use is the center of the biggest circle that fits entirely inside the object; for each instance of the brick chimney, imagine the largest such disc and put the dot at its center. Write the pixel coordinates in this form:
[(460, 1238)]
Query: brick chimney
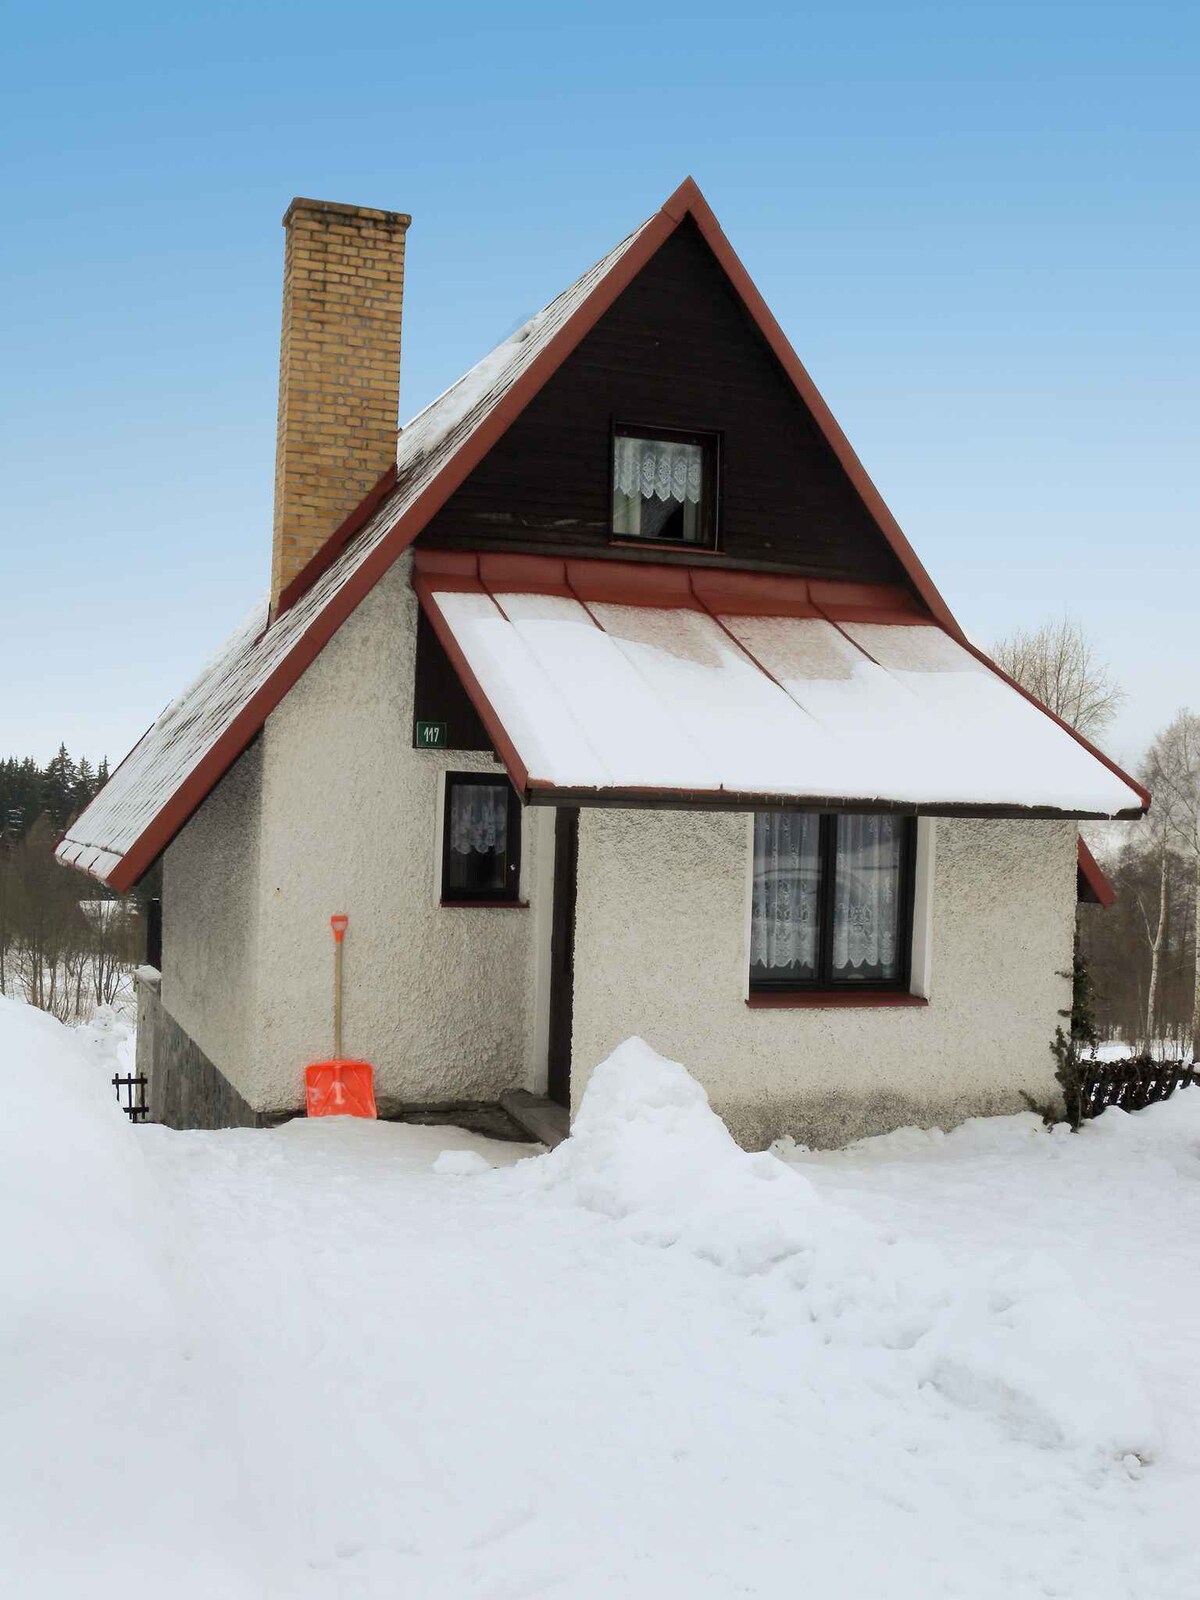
[(339, 371)]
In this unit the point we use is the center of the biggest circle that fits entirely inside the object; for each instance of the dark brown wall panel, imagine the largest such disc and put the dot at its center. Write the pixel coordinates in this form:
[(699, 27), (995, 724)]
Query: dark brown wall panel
[(675, 350)]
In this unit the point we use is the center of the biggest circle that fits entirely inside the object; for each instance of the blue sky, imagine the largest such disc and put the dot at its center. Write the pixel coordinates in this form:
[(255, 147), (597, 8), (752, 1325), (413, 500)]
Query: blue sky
[(977, 223)]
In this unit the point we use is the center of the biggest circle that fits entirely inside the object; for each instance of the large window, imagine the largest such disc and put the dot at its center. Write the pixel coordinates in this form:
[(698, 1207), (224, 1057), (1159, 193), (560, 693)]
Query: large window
[(664, 486), (832, 903), (481, 840)]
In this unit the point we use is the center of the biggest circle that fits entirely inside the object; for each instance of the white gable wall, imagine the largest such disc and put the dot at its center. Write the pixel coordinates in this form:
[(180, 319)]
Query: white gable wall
[(662, 949), (210, 919), (440, 1001), (333, 810)]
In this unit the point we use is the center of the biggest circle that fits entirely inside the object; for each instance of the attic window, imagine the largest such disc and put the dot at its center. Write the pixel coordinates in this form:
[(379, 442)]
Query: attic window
[(664, 486)]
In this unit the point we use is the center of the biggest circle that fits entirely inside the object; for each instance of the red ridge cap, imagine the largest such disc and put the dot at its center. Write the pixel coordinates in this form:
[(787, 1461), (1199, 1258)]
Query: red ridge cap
[(508, 573), (631, 583), (866, 602), (684, 199), (752, 594)]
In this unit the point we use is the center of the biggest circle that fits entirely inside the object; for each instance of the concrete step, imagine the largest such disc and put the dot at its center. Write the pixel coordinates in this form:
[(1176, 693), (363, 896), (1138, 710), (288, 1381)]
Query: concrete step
[(541, 1118)]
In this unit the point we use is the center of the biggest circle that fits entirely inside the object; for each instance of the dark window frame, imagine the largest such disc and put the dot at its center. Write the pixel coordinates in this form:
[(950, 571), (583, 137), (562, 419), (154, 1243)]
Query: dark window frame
[(710, 441), (510, 895), (824, 981)]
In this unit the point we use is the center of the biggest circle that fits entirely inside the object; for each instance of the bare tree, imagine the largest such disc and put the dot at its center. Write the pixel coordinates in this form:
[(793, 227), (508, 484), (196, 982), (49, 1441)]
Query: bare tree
[(112, 947), (1155, 935), (1173, 770), (50, 931), (6, 911), (1059, 666)]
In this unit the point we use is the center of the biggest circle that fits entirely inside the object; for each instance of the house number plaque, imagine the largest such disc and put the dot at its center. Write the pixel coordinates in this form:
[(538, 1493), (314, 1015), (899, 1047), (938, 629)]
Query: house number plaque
[(432, 735)]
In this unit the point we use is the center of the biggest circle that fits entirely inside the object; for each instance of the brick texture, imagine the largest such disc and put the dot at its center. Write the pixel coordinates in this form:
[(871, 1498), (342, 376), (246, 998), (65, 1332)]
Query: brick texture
[(339, 371)]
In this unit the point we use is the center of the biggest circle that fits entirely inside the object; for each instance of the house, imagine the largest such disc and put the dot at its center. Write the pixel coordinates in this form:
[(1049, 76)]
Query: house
[(611, 699)]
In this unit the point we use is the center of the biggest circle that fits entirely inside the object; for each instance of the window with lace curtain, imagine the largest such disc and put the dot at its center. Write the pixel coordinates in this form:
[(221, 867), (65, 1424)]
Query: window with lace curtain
[(664, 486), (832, 901), (481, 840)]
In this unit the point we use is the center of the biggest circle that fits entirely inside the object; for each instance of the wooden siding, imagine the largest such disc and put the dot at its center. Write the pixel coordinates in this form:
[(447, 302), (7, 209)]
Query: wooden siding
[(675, 350), (440, 697)]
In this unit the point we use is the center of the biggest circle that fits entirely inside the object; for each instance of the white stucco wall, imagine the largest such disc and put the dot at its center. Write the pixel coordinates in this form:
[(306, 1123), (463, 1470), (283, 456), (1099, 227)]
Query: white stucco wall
[(440, 1001), (333, 810), (210, 917), (662, 949)]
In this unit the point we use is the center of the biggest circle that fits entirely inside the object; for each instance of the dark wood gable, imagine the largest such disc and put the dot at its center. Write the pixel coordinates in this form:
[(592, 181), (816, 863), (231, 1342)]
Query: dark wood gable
[(675, 350)]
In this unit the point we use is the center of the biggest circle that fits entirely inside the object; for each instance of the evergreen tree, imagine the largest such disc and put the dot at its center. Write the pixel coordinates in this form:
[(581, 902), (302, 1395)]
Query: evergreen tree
[(59, 791), (85, 785), (20, 796), (59, 783)]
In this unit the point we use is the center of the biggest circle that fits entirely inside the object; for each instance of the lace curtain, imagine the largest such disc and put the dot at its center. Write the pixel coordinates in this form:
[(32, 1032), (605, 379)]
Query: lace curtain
[(658, 469), (785, 916), (479, 818), (866, 912)]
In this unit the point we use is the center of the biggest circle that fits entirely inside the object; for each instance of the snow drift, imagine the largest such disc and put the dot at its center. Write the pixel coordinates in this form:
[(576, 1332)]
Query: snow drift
[(1009, 1337), (108, 1468)]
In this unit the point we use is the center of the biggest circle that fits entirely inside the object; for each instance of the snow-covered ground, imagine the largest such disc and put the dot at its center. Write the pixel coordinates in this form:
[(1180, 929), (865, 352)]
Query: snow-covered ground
[(1160, 1049), (333, 1360), (74, 989)]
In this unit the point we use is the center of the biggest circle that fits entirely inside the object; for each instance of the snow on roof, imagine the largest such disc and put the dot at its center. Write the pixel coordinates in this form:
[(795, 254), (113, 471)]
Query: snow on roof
[(159, 783), (591, 698), (192, 744)]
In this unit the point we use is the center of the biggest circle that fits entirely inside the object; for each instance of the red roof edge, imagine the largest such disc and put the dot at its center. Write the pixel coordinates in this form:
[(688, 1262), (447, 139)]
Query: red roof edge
[(497, 732), (688, 200), (335, 544), (1093, 886), (1139, 789)]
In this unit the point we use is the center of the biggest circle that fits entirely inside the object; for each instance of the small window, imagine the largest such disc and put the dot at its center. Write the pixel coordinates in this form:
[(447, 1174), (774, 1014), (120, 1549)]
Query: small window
[(832, 901), (481, 839), (664, 487)]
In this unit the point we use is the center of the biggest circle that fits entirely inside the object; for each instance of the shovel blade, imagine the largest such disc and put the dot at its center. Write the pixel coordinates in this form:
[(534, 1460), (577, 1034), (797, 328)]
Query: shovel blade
[(340, 1089)]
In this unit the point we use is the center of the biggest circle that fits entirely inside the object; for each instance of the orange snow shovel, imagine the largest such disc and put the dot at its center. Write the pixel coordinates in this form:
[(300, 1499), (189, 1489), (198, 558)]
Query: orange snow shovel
[(339, 1088)]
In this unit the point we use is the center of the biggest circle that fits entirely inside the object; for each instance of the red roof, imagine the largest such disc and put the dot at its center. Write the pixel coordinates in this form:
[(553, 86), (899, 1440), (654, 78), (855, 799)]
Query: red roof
[(1092, 882), (610, 683), (190, 747)]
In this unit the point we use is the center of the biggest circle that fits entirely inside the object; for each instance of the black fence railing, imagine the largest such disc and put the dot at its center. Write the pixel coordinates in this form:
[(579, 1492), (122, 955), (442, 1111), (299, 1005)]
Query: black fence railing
[(131, 1097), (1132, 1084)]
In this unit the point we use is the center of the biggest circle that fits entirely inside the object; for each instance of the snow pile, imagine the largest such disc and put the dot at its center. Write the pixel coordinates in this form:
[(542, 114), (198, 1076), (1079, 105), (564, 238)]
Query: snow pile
[(648, 1363), (1007, 1336), (1169, 1130), (461, 1163), (74, 1199), (1019, 1342), (107, 1463), (646, 1149)]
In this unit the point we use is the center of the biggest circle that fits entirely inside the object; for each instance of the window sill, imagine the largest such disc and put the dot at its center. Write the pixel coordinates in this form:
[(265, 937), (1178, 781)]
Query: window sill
[(814, 999), (620, 542), (483, 905)]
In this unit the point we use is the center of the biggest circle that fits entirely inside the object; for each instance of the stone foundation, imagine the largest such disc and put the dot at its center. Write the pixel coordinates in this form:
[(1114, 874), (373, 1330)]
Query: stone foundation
[(184, 1089)]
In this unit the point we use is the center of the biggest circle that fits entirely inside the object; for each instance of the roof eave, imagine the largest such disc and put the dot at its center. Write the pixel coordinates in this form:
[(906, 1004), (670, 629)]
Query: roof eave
[(541, 793)]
